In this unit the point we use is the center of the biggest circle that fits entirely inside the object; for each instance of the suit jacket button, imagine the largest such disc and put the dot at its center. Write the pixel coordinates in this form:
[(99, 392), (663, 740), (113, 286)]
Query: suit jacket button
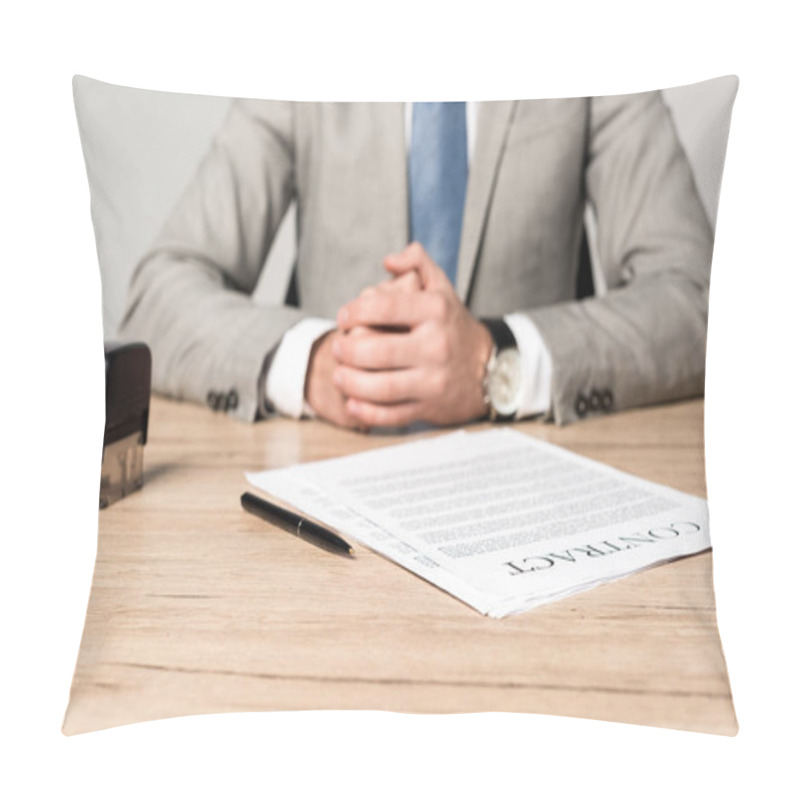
[(607, 400), (212, 398), (595, 400), (232, 400), (581, 405)]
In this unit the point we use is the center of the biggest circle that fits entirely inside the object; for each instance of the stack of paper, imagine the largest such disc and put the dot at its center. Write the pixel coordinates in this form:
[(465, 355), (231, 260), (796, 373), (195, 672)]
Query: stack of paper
[(499, 519)]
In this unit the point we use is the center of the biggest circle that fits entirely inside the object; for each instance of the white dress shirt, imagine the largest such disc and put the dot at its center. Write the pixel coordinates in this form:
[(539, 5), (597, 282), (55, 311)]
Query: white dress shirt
[(286, 378)]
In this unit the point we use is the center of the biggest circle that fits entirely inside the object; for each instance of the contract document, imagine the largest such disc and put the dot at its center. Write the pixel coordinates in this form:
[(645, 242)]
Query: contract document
[(497, 518)]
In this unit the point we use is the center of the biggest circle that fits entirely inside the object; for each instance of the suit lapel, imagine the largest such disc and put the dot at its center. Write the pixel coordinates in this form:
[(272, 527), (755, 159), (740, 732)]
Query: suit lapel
[(494, 120)]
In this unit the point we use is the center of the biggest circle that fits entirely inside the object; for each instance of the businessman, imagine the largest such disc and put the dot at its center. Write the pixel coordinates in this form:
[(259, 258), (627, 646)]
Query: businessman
[(438, 249)]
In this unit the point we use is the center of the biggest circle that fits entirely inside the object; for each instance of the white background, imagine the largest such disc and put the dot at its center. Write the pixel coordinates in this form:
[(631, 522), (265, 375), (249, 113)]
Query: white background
[(52, 370)]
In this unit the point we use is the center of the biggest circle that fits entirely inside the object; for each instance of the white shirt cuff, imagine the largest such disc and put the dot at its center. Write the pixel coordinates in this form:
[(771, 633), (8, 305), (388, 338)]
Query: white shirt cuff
[(286, 378), (537, 366)]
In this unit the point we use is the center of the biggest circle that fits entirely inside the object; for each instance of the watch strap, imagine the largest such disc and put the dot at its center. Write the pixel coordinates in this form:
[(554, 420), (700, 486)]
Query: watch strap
[(501, 333)]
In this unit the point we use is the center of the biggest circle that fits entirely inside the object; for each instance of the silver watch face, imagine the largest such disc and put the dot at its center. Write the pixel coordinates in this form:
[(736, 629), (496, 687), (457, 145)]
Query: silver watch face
[(505, 382)]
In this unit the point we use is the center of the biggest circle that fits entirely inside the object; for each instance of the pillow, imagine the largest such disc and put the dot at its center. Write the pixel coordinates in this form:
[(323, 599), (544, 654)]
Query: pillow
[(224, 226)]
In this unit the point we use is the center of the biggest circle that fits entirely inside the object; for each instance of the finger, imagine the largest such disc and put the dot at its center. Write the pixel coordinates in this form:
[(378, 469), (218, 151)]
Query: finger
[(392, 309), (380, 386), (416, 257), (373, 350), (406, 282), (372, 415), (411, 256), (359, 330)]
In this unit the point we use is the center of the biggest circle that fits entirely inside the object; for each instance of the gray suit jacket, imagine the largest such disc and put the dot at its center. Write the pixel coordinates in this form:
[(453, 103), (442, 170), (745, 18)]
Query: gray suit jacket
[(535, 166)]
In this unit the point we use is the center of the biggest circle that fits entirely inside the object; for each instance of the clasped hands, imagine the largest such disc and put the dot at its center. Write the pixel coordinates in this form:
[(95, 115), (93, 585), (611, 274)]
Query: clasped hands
[(403, 351)]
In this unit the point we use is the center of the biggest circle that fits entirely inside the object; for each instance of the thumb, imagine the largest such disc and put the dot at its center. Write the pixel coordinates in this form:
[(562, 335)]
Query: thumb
[(415, 257), (405, 282)]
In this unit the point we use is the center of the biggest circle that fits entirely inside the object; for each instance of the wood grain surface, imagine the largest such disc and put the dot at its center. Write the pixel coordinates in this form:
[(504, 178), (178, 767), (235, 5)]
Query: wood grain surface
[(197, 607)]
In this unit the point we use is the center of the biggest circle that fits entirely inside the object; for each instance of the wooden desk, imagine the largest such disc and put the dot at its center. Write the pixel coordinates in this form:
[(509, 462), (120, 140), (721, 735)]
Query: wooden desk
[(197, 607)]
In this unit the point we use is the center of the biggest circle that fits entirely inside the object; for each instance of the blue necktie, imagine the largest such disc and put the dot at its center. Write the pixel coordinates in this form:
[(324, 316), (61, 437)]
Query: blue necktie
[(437, 172)]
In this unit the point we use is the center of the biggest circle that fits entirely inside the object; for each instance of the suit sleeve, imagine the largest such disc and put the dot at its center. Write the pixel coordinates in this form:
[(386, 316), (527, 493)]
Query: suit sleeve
[(190, 295), (644, 341)]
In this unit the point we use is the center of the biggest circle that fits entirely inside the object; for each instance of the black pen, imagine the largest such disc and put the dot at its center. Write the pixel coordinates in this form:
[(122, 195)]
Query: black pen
[(293, 523)]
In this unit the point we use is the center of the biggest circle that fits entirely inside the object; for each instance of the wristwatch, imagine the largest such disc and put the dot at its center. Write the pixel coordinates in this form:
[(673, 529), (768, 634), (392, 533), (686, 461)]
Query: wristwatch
[(502, 381)]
